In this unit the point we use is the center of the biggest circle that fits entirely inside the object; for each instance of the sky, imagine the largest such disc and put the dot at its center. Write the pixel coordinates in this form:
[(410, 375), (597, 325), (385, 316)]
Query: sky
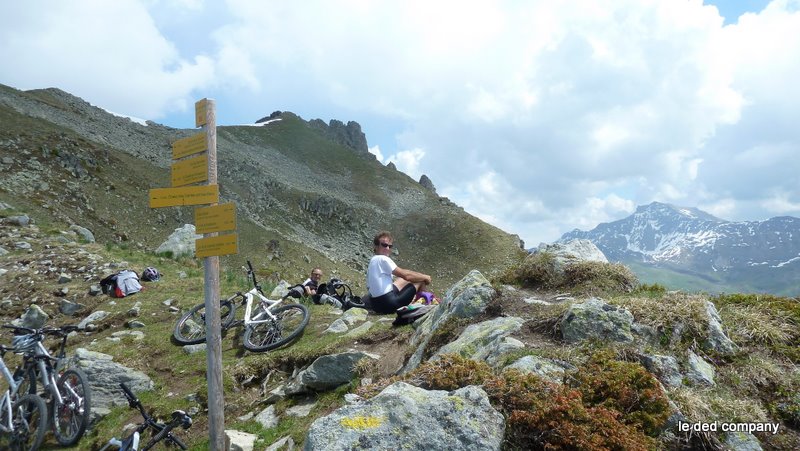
[(538, 117)]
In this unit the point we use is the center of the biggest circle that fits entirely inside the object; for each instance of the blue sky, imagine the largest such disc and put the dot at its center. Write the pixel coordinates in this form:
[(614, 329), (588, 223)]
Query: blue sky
[(536, 116)]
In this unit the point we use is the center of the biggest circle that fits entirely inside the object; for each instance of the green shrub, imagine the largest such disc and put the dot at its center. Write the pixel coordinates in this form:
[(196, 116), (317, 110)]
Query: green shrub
[(624, 387), (543, 415)]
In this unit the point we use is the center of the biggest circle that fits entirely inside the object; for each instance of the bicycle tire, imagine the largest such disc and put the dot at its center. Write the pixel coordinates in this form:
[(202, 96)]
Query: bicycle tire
[(191, 327), (29, 414), (27, 382), (71, 417), (290, 321)]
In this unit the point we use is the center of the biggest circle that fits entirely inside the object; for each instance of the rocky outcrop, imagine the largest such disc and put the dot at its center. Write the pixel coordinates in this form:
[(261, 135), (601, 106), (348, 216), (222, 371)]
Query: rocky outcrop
[(572, 251), (595, 319), (427, 183), (349, 135), (488, 341), (326, 372), (406, 417)]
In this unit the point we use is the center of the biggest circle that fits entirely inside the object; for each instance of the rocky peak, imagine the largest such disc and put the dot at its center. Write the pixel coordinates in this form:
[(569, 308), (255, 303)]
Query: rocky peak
[(427, 183), (349, 135)]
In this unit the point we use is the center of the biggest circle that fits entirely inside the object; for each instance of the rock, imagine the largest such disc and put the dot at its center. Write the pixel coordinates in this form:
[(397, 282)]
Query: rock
[(267, 418), (22, 245), (64, 278), (326, 372), (280, 290), (487, 341), (699, 372), (93, 318), (94, 290), (180, 243), (20, 220), (135, 334), (741, 441), (595, 319), (427, 183), (194, 349), (403, 416), (545, 368), (70, 308), (301, 410), (135, 324), (34, 318), (84, 233), (104, 377), (573, 251), (717, 340), (3, 271), (362, 329), (664, 367), (466, 298), (240, 441), (283, 443)]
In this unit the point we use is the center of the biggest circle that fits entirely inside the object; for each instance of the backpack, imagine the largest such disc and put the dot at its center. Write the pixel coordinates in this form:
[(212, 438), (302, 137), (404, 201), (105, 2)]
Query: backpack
[(150, 274), (410, 313), (121, 284)]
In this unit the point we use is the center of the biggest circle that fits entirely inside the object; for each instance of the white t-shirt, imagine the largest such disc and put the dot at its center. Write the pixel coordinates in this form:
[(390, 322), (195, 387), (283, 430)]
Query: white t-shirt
[(379, 275)]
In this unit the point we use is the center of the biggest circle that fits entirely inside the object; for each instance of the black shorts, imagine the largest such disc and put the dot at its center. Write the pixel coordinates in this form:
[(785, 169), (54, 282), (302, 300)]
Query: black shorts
[(393, 300)]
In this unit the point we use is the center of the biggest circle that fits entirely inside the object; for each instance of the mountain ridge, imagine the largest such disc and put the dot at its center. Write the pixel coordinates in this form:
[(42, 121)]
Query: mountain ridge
[(728, 255), (293, 184)]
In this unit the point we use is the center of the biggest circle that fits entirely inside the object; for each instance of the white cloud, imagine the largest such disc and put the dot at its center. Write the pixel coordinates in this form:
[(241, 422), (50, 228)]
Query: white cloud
[(538, 116)]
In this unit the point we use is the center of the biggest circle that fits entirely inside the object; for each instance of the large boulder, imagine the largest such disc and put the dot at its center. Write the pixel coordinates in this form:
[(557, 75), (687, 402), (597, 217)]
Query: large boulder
[(488, 341), (406, 417), (181, 242), (573, 251), (595, 319), (467, 298), (327, 372), (34, 318)]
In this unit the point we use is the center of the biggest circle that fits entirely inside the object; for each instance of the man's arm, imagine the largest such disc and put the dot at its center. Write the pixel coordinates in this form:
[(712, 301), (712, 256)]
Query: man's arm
[(412, 276)]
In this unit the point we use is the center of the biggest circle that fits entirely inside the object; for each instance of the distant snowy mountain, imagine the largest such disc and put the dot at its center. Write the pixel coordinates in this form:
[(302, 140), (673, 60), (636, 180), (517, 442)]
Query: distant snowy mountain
[(689, 248)]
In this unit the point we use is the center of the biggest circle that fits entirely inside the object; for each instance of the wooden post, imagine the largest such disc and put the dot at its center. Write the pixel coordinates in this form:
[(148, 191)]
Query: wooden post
[(216, 403)]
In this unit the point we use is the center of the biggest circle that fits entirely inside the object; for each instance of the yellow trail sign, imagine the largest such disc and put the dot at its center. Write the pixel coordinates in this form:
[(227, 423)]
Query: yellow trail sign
[(190, 170), (217, 218), (216, 245), (200, 109), (187, 195), (189, 146)]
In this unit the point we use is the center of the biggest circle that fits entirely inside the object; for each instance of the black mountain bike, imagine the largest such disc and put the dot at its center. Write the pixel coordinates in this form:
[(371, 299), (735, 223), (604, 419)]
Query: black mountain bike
[(268, 324), (160, 431)]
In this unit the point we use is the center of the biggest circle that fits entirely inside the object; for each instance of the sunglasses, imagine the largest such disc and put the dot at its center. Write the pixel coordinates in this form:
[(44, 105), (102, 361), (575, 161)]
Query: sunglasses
[(386, 245)]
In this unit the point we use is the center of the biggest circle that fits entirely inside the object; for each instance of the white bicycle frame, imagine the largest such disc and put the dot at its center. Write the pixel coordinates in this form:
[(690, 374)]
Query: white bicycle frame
[(264, 302), (6, 402)]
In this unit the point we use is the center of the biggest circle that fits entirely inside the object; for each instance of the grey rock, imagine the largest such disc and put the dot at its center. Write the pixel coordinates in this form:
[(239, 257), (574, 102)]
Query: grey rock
[(94, 290), (717, 340), (180, 242), (240, 441), (194, 349), (135, 324), (284, 443), (70, 308), (22, 245), (34, 317), (64, 278), (3, 251), (573, 251), (280, 290), (427, 183), (326, 372), (486, 341), (301, 410), (83, 232), (664, 367), (20, 220), (595, 319), (94, 317), (545, 368), (459, 420), (699, 371), (267, 417)]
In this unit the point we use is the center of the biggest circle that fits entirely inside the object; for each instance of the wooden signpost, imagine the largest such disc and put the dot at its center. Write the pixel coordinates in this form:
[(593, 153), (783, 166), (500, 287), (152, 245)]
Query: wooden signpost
[(209, 221)]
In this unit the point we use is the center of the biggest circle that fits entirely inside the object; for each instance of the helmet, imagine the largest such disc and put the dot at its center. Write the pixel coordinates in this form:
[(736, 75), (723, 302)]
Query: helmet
[(150, 274), (24, 343)]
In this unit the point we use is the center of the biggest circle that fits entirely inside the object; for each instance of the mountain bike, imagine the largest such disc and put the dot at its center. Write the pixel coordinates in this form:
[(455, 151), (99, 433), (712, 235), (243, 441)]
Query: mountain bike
[(268, 324), (160, 431), (66, 391), (23, 417)]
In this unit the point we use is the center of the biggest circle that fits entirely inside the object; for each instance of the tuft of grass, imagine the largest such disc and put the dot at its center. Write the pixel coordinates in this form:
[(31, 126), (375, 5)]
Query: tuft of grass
[(664, 314), (542, 271), (756, 325)]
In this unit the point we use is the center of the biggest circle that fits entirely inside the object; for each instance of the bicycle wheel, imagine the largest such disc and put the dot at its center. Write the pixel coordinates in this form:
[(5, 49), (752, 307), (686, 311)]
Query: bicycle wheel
[(26, 378), (289, 322), (191, 327), (71, 417), (30, 423)]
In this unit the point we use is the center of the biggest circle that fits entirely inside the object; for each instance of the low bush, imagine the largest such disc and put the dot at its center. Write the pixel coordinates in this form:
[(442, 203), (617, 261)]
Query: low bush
[(598, 277)]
